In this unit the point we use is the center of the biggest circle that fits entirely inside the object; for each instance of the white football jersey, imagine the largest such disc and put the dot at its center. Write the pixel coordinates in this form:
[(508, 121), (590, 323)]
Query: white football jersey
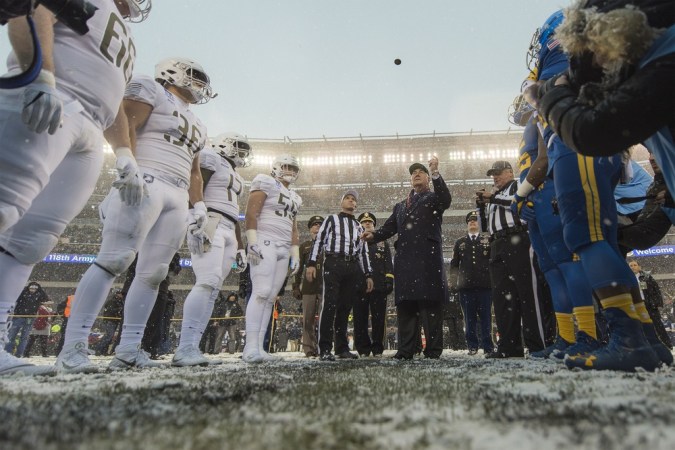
[(279, 210), (172, 134), (225, 185), (95, 68)]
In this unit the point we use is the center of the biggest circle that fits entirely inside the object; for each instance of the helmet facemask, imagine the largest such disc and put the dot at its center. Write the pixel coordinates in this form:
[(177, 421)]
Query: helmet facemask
[(235, 148), (186, 75), (139, 10), (286, 168)]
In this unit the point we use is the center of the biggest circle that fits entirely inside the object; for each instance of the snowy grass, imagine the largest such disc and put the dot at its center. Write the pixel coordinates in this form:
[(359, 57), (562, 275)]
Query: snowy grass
[(456, 402)]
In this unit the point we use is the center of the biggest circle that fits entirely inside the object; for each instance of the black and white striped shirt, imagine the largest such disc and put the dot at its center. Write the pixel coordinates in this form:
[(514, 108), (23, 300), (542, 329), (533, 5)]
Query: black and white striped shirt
[(340, 235), (499, 215)]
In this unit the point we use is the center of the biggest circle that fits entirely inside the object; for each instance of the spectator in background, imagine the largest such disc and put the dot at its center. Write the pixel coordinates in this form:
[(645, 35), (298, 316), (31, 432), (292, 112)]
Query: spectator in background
[(212, 338), (110, 323), (157, 327), (234, 313), (41, 330), (651, 294), (22, 323)]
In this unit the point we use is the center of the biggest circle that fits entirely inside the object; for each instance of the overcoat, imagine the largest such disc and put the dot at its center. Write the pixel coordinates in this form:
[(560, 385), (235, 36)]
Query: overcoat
[(418, 260)]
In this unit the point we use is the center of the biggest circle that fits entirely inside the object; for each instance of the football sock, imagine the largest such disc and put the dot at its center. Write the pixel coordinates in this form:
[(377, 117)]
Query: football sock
[(137, 308), (642, 312), (90, 296), (566, 326), (622, 301), (193, 313), (586, 320)]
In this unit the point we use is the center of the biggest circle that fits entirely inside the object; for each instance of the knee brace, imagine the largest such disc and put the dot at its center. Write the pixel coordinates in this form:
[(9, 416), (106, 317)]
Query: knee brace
[(155, 277), (115, 262)]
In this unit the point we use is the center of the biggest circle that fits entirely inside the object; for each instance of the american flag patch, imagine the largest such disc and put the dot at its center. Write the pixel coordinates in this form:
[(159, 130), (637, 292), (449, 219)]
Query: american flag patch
[(553, 43)]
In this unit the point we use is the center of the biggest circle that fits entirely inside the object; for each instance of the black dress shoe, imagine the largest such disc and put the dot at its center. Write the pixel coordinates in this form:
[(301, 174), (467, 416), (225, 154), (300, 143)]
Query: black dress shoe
[(503, 355), (402, 357), (473, 351), (327, 357), (348, 355)]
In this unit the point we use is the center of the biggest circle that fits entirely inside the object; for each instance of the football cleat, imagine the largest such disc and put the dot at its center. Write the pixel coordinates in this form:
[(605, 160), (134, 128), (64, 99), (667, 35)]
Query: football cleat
[(189, 356), (557, 349), (627, 349), (664, 354), (585, 345), (131, 356), (75, 359), (11, 365)]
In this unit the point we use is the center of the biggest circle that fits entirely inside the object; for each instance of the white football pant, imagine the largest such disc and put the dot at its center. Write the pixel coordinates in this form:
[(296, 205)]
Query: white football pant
[(45, 181), (266, 278), (156, 229), (211, 268)]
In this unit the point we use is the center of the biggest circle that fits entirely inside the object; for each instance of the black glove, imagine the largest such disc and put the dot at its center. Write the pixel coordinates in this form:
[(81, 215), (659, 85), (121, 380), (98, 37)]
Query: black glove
[(388, 286)]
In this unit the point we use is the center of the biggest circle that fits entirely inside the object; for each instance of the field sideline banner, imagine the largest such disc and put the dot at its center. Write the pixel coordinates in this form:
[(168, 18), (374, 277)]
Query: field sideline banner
[(71, 258)]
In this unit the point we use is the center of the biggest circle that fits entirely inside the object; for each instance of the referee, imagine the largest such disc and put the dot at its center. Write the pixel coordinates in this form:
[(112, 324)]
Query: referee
[(514, 295), (345, 267)]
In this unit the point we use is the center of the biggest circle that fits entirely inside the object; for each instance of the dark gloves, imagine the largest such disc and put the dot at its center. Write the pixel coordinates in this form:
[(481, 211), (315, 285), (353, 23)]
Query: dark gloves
[(388, 286)]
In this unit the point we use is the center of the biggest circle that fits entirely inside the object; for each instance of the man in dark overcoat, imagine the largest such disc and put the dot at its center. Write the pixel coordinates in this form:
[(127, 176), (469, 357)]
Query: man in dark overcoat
[(421, 287)]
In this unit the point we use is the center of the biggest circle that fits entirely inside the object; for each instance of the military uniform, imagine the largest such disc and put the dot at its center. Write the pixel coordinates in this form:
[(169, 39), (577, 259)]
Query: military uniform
[(310, 292), (470, 277), (374, 303)]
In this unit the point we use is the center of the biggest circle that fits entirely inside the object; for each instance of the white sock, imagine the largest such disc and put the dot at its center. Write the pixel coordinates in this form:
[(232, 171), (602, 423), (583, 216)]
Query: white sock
[(206, 316), (137, 308), (90, 296), (254, 311), (193, 311)]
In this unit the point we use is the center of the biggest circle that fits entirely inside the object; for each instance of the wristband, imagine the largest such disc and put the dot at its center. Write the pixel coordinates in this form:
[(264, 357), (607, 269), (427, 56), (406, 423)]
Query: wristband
[(123, 151), (524, 188), (252, 237)]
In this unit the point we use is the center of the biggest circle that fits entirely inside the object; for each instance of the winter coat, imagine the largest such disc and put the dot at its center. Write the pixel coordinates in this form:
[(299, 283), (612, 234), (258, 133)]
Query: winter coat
[(418, 260)]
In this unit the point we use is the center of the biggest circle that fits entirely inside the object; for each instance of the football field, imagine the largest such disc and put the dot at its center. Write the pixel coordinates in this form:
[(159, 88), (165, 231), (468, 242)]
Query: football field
[(459, 401)]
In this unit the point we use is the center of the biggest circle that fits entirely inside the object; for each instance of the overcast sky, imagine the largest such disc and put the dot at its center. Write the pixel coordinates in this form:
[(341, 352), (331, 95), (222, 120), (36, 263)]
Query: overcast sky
[(307, 68)]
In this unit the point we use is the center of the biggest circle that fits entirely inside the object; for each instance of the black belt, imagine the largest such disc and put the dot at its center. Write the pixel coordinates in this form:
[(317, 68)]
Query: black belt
[(342, 256), (509, 231), (227, 216)]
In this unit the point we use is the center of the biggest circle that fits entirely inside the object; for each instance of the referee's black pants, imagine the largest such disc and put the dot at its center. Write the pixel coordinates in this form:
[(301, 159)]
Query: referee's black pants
[(413, 314), (515, 299), (343, 282)]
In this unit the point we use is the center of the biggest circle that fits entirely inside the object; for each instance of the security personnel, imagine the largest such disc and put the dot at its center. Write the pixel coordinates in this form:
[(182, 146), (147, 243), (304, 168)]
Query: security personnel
[(470, 277), (374, 303), (310, 292), (346, 268)]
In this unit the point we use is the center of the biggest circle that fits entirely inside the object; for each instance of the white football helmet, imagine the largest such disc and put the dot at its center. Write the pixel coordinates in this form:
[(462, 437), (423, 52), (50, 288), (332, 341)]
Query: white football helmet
[(286, 168), (187, 74), (139, 10), (235, 147)]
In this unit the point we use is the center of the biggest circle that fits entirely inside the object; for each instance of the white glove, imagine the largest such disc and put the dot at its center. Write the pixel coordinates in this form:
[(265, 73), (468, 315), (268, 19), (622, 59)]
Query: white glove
[(130, 183), (295, 259), (240, 260), (253, 255), (42, 107), (198, 221), (195, 243)]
